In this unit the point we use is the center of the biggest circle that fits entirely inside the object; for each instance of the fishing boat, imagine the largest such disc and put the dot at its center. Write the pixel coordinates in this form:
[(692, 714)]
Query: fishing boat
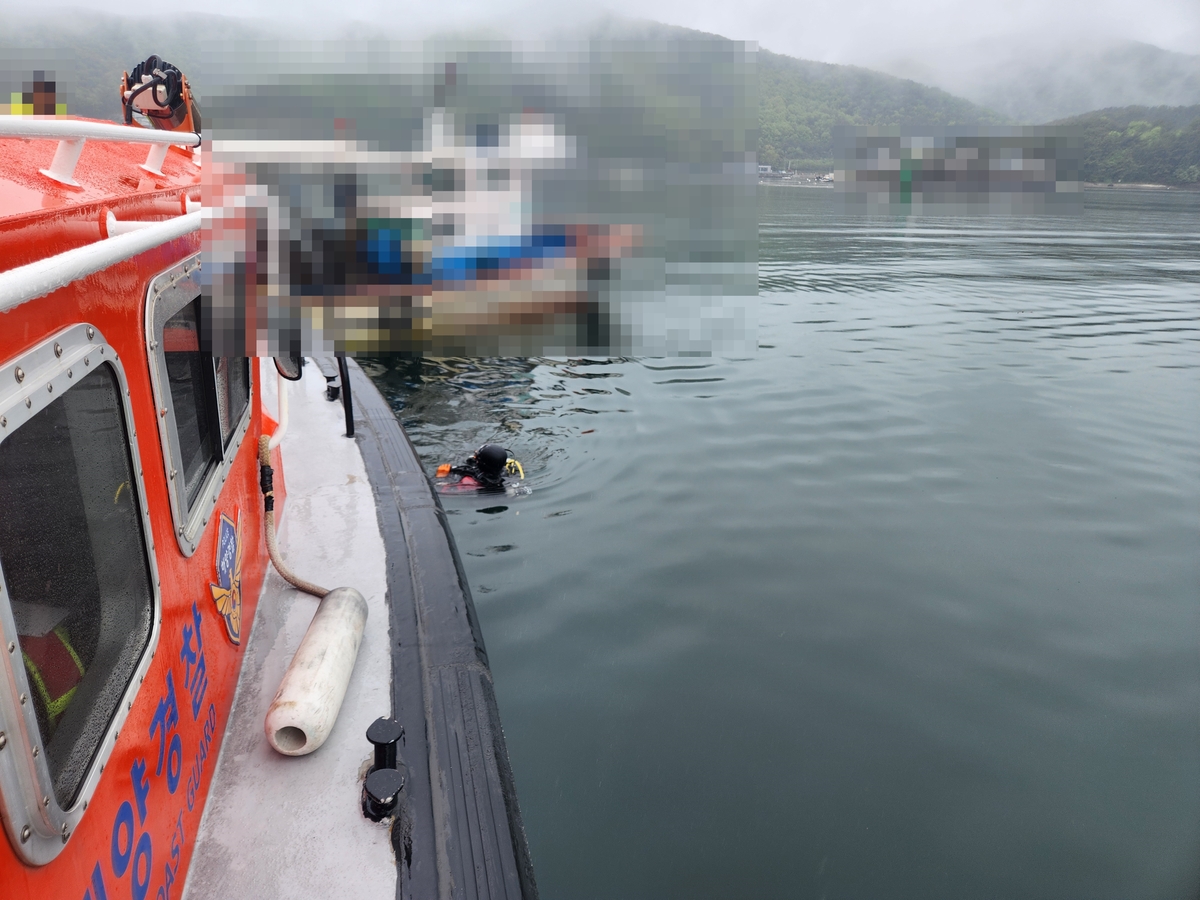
[(435, 250), (184, 710)]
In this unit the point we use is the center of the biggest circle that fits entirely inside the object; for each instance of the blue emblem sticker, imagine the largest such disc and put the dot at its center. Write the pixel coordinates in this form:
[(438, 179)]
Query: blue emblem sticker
[(227, 592)]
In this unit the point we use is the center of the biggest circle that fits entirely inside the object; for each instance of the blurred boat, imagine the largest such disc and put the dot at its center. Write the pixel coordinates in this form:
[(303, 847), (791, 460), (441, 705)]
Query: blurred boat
[(429, 251)]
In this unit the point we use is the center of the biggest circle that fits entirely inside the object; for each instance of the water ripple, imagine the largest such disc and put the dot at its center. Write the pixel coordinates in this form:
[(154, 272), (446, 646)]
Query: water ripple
[(924, 568)]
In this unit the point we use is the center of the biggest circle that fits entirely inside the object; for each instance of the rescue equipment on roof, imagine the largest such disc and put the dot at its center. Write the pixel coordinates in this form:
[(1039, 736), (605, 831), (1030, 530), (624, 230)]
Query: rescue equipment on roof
[(160, 92)]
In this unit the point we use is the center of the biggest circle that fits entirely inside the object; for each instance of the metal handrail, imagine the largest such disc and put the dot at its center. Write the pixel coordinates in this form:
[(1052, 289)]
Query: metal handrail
[(76, 129), (47, 275), (72, 133)]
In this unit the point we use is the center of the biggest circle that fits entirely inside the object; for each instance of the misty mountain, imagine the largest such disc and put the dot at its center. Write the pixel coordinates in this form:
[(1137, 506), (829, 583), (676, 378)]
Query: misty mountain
[(1036, 82), (800, 102)]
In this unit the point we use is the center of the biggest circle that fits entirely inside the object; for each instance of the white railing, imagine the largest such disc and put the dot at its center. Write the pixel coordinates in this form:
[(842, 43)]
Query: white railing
[(71, 134), (63, 129), (47, 275)]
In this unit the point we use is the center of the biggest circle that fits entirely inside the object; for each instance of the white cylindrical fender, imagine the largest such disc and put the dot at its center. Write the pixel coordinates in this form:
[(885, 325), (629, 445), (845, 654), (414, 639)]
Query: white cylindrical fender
[(310, 695)]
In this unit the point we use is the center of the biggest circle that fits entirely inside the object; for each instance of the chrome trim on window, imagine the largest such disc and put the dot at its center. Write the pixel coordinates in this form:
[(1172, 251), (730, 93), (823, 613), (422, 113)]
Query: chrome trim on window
[(38, 828), (170, 292)]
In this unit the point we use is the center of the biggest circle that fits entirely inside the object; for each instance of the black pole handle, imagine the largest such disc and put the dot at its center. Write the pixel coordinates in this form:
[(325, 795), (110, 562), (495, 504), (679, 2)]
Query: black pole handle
[(347, 399)]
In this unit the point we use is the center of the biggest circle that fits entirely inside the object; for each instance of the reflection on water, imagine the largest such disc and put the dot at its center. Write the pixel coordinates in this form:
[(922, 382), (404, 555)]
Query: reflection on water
[(903, 605)]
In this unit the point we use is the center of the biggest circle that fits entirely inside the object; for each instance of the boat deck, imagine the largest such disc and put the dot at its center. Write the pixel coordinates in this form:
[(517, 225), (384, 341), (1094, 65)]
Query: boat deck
[(279, 826), (362, 513)]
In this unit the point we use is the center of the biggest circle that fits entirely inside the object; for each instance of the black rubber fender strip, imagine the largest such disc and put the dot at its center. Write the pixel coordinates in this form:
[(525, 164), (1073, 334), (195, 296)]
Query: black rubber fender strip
[(459, 832)]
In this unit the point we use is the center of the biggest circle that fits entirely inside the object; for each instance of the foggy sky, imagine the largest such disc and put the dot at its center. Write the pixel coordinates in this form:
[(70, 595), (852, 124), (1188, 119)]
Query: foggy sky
[(873, 33)]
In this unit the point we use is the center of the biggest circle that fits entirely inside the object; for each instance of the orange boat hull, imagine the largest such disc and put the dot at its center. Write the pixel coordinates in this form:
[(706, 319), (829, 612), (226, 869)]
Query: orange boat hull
[(135, 836)]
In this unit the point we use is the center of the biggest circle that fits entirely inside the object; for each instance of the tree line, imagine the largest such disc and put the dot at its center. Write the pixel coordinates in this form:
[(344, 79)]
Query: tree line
[(1140, 145)]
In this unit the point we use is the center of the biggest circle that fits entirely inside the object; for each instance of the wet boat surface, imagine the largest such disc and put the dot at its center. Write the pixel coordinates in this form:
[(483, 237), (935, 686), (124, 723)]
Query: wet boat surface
[(364, 512), (301, 815)]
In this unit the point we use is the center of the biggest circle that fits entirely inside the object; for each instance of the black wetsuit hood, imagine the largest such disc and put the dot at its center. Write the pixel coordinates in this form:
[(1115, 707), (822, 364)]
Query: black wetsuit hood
[(486, 466), (490, 460)]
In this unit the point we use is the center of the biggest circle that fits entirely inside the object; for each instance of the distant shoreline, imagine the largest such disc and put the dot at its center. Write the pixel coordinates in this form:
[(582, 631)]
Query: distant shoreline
[(783, 182), (1088, 186), (1116, 186)]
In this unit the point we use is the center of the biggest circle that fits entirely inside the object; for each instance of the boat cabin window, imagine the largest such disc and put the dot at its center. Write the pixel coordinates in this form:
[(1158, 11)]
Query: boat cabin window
[(210, 396), (233, 393), (76, 575), (203, 402), (193, 396)]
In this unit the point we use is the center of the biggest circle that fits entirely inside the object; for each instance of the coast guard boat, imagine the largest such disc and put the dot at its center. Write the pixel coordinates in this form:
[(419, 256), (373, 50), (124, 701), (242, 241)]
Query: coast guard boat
[(181, 713)]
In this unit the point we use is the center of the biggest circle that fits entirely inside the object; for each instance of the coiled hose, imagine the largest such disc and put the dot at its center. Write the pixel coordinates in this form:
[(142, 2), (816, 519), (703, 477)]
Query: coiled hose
[(266, 482)]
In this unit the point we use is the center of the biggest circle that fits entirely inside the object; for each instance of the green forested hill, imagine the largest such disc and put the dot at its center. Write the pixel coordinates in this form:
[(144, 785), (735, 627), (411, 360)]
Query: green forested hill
[(1140, 145), (800, 102)]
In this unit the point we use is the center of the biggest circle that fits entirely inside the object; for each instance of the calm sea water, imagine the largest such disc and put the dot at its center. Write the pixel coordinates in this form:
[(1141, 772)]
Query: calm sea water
[(905, 605)]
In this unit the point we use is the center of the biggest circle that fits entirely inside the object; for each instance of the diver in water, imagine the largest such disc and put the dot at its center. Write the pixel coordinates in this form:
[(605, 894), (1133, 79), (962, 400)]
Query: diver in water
[(484, 470)]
